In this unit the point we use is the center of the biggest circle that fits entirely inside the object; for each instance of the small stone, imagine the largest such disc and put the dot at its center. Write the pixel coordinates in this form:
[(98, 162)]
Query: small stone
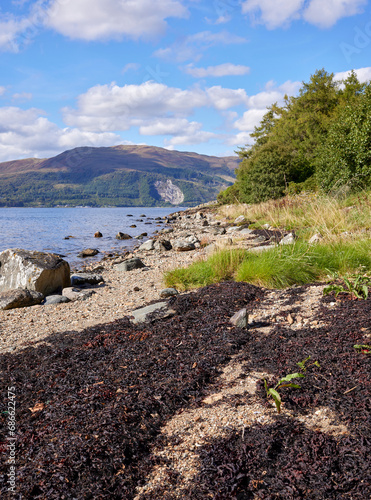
[(130, 265), (88, 252), (55, 299), (290, 319), (74, 294), (86, 278), (98, 234), (289, 239), (123, 236), (239, 219), (168, 292), (316, 238), (133, 225), (14, 299), (240, 319), (136, 289)]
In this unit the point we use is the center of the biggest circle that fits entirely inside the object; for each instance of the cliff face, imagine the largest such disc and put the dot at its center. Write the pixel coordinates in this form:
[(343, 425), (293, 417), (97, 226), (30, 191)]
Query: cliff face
[(169, 192), (116, 176)]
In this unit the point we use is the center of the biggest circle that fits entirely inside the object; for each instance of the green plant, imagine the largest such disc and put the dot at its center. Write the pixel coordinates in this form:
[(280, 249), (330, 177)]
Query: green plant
[(286, 382), (355, 284), (364, 348)]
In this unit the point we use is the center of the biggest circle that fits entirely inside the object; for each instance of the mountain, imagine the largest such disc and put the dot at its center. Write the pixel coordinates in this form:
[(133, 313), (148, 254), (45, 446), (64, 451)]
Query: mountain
[(116, 176)]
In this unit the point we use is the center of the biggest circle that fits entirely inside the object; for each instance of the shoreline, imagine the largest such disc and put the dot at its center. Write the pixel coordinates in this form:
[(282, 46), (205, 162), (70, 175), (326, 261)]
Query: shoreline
[(116, 297)]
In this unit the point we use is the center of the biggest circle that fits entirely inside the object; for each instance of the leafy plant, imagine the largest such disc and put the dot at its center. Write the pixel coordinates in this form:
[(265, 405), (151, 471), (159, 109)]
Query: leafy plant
[(286, 382), (355, 284), (364, 348)]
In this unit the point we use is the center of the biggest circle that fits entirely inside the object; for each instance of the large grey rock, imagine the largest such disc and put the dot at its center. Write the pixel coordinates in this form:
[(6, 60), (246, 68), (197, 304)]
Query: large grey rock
[(148, 245), (55, 299), (13, 299), (86, 279), (42, 272), (144, 314), (74, 294), (130, 264)]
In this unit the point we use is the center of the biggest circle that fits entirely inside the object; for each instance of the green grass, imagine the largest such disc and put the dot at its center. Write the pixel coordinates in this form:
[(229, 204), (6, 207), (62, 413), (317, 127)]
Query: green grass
[(279, 267)]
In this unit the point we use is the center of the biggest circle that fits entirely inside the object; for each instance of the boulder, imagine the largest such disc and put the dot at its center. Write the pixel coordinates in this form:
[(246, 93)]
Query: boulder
[(86, 279), (88, 252), (42, 272), (154, 311), (130, 264), (98, 234), (123, 236), (74, 294), (13, 299), (55, 299)]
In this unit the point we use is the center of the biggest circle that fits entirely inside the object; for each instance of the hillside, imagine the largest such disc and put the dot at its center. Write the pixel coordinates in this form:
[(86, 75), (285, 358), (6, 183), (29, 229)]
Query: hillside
[(115, 176)]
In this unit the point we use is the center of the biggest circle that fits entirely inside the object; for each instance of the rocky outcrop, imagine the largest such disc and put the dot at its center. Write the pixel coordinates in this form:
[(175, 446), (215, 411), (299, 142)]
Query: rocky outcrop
[(41, 272), (123, 236), (14, 299), (169, 192)]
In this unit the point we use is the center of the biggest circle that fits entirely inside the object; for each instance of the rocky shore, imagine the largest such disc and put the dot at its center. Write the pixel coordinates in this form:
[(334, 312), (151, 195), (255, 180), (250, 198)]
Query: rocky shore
[(187, 237), (176, 408)]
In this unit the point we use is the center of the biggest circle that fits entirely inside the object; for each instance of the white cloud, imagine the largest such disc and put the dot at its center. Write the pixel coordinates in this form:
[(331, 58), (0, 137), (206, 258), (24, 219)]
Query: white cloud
[(112, 19), (11, 29), (257, 107), (130, 67), (26, 133), (363, 74), (181, 130), (2, 90), (193, 46), (326, 14), (273, 13), (22, 96), (276, 13), (111, 107), (227, 69), (223, 99)]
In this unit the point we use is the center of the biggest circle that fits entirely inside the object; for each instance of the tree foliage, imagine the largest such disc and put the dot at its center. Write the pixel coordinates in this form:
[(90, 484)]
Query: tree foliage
[(317, 139)]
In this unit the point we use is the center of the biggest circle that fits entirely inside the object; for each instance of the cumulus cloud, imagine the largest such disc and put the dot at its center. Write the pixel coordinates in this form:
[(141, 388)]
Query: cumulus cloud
[(111, 107), (112, 19), (273, 13), (27, 133), (11, 29), (326, 14), (22, 96), (276, 13), (226, 69), (193, 46), (363, 75), (257, 107)]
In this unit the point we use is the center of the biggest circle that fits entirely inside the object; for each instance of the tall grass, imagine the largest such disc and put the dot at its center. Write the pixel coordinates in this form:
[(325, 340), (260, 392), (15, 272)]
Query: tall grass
[(279, 267), (309, 213)]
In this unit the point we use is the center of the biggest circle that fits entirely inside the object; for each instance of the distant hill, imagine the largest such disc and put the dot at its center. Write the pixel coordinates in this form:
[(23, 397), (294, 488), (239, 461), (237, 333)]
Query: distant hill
[(116, 176)]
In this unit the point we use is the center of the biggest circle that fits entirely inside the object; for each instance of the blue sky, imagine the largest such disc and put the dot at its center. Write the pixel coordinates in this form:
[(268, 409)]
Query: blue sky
[(191, 75)]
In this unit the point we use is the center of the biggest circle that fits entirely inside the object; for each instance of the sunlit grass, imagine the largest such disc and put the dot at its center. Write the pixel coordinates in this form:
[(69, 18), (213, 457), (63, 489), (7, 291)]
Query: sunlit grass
[(279, 267)]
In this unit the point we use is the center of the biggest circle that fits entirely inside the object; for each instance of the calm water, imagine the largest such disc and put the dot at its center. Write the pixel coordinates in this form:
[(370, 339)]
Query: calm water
[(44, 229)]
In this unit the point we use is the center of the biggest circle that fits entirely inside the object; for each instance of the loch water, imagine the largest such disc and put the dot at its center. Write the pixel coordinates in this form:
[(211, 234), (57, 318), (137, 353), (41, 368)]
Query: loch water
[(45, 229)]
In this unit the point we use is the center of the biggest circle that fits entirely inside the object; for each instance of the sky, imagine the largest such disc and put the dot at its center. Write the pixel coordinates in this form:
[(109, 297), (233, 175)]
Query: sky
[(190, 75)]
